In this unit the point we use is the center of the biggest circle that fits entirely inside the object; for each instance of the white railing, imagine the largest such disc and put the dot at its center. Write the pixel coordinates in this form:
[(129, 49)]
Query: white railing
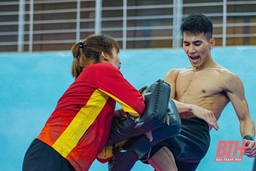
[(40, 25)]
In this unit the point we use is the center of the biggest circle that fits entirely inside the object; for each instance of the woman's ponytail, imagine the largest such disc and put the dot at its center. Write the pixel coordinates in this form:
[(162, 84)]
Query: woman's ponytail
[(76, 68)]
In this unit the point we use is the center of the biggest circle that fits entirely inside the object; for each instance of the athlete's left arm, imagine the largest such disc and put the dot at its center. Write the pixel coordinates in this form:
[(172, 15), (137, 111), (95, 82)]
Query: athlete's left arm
[(235, 92)]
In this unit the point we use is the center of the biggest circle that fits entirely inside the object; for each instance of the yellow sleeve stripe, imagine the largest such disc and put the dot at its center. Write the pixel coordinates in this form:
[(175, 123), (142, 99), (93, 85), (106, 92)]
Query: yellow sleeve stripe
[(81, 122), (124, 106)]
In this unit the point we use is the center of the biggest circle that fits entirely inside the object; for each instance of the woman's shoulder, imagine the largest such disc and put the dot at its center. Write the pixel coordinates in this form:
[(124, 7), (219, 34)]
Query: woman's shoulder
[(101, 65), (104, 68)]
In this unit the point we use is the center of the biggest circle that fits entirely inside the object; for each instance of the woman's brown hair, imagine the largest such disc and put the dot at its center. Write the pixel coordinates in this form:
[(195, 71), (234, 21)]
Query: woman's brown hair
[(88, 51)]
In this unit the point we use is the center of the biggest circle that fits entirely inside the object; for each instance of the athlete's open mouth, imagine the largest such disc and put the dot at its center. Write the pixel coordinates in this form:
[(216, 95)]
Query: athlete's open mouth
[(194, 57)]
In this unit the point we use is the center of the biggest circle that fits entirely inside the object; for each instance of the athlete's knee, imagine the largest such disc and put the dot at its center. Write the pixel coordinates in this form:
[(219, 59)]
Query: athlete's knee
[(163, 160)]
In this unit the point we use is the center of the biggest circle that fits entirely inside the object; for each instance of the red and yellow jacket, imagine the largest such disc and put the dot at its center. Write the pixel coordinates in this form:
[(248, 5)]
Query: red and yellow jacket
[(79, 126)]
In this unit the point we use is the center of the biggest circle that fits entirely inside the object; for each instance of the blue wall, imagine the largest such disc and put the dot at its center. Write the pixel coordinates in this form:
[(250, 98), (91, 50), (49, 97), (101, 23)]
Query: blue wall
[(31, 83)]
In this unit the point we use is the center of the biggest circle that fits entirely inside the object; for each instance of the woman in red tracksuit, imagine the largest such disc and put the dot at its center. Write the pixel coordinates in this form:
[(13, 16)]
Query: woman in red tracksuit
[(79, 127)]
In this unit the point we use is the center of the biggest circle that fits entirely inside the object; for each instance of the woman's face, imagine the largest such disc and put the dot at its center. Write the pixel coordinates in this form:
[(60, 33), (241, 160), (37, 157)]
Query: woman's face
[(114, 59)]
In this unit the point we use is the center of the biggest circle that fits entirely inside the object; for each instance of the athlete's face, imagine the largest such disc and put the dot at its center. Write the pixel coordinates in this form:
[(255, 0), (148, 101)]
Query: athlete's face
[(197, 48)]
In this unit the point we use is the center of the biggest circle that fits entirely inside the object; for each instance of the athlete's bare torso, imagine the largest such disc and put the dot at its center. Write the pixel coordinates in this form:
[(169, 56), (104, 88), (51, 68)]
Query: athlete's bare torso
[(204, 88)]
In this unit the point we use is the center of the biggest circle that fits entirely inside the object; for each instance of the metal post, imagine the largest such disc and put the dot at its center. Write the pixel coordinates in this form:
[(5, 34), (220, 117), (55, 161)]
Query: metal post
[(21, 26), (124, 23), (31, 18), (177, 19), (78, 15), (224, 24), (98, 16)]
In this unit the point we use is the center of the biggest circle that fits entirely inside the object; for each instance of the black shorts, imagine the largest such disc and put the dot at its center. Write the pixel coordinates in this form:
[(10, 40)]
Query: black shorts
[(188, 147), (41, 157)]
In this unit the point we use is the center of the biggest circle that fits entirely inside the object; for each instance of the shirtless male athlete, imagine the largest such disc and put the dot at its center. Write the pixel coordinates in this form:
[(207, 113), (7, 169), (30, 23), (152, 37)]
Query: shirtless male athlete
[(205, 84)]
